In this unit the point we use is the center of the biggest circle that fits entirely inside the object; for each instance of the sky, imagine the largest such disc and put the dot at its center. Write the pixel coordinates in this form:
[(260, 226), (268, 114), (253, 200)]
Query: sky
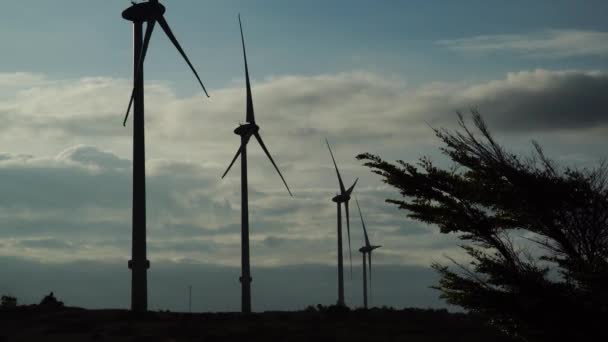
[(370, 76)]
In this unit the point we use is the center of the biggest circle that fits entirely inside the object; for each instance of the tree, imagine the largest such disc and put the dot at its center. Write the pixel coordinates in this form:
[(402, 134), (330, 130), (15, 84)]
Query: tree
[(50, 302), (8, 302), (536, 234)]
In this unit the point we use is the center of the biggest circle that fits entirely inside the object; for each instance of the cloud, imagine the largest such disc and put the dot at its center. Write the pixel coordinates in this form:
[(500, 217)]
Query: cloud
[(20, 79), (59, 183), (65, 171), (48, 243), (542, 100), (92, 156), (88, 208), (273, 241), (65, 178), (543, 44), (352, 109)]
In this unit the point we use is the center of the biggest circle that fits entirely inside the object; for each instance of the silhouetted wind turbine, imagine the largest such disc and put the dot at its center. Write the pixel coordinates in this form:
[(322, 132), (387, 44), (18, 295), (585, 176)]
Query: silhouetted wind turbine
[(342, 197), (150, 12), (367, 249), (246, 131)]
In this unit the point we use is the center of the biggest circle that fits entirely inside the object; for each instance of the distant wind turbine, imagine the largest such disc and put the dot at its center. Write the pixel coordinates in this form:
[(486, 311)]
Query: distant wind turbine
[(250, 128), (367, 249), (342, 197), (150, 12)]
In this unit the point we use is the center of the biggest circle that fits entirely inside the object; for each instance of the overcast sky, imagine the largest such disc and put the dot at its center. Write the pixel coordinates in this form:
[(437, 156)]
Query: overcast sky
[(368, 75)]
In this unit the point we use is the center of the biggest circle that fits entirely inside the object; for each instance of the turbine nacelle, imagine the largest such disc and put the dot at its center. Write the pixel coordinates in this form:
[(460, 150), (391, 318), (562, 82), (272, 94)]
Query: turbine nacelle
[(247, 129), (341, 198), (368, 249), (144, 11)]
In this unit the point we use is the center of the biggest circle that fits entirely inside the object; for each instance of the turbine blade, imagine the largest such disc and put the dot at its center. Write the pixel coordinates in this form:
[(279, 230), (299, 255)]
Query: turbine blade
[(342, 190), (140, 63), (352, 187), (348, 231), (259, 139), (367, 244), (124, 123), (233, 160), (250, 115), (146, 43), (165, 26)]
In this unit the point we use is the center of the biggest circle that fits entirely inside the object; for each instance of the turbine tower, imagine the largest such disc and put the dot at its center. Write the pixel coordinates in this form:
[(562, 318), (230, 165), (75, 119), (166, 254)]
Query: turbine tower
[(250, 128), (342, 197), (367, 249), (150, 12)]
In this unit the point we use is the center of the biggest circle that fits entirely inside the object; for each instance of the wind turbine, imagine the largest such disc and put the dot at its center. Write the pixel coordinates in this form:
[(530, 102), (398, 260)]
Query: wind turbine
[(367, 249), (250, 128), (150, 12), (342, 197)]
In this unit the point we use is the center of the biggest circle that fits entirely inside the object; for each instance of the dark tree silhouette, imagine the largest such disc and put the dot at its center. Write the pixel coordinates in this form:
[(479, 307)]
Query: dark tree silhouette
[(50, 302), (8, 301), (536, 233)]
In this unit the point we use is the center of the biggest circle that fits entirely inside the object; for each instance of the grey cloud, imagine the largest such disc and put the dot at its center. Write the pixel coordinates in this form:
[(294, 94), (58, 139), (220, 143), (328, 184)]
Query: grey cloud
[(58, 224), (191, 230), (192, 143), (273, 241), (308, 132), (410, 228), (62, 188), (184, 246), (194, 216), (107, 126), (85, 107), (360, 110), (49, 243), (90, 155), (543, 44), (176, 169), (54, 196), (16, 79), (543, 101)]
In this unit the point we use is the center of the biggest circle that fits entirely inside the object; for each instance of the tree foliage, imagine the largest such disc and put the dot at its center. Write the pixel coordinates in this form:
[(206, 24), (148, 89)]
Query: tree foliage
[(536, 233)]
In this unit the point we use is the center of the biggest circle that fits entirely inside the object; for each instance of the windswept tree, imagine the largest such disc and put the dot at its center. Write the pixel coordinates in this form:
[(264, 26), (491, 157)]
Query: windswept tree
[(536, 234)]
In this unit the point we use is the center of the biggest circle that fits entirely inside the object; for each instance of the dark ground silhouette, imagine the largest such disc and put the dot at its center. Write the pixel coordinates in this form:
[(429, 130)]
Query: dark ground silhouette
[(29, 323)]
